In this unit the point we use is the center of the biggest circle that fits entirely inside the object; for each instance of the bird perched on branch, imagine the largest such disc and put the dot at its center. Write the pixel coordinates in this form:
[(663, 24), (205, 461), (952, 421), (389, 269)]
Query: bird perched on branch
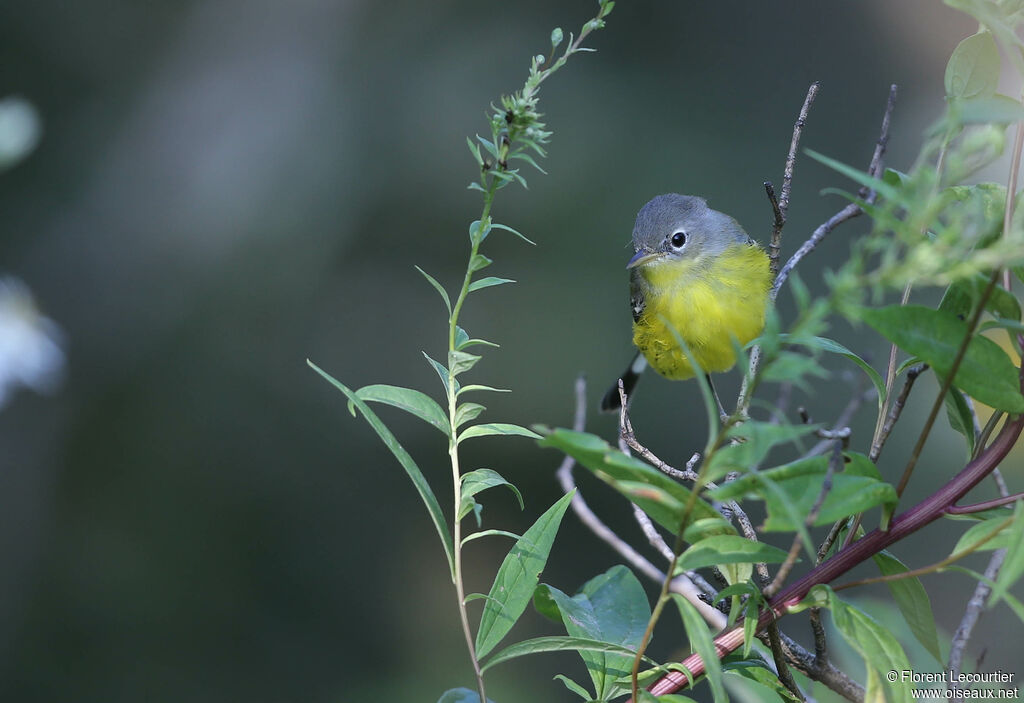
[(697, 276)]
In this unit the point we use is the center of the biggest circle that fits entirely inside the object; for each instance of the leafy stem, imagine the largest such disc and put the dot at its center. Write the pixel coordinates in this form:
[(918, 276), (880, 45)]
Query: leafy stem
[(453, 443)]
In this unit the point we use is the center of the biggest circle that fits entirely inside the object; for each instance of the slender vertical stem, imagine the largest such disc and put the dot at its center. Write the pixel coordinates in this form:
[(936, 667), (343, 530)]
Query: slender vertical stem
[(453, 449)]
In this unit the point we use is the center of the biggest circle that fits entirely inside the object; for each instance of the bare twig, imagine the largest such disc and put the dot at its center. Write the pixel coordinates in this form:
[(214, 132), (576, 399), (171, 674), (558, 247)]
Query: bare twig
[(984, 505), (982, 437), (820, 642), (894, 412), (628, 436), (884, 429), (785, 675), (877, 165), (583, 511), (806, 663), (651, 533), (781, 206)]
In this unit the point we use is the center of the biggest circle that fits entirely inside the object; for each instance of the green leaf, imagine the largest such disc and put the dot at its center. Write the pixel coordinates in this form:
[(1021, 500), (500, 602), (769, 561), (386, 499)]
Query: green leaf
[(509, 229), (497, 428), (982, 530), (959, 415), (913, 602), (517, 578), (574, 687), (728, 549), (612, 608), (478, 262), (973, 68), (474, 149), (460, 695), (460, 361), (478, 387), (755, 672), (755, 440), (986, 372), (556, 37), (488, 533), (873, 642), (442, 372), (800, 485), (879, 186), (658, 495), (412, 401), (707, 527), (1013, 564), (834, 347), (466, 412), (997, 109), (439, 288), (907, 363), (482, 479), (413, 471), (488, 282), (1015, 605), (539, 645), (962, 296), (702, 644)]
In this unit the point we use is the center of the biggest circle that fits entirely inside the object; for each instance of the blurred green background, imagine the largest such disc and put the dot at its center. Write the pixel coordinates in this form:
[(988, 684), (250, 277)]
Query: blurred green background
[(226, 188)]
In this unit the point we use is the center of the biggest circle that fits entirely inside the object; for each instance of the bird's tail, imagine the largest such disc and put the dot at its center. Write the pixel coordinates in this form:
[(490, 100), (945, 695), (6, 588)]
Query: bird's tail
[(611, 402)]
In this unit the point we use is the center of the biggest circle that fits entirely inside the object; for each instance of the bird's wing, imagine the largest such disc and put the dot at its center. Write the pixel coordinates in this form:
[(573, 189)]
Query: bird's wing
[(636, 295)]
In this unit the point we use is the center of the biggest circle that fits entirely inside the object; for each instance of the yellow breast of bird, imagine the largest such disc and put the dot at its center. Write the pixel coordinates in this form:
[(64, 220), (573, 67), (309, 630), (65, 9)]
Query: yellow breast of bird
[(708, 303)]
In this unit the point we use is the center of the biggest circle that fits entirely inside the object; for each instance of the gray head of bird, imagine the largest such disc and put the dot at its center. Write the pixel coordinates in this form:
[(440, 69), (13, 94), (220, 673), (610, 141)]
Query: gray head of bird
[(672, 227)]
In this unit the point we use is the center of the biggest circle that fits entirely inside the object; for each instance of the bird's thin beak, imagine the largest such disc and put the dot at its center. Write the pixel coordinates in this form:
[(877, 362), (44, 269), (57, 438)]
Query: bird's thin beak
[(642, 257)]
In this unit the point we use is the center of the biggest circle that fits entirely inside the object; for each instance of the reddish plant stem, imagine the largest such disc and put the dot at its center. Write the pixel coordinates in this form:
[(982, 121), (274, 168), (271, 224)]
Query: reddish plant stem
[(925, 512)]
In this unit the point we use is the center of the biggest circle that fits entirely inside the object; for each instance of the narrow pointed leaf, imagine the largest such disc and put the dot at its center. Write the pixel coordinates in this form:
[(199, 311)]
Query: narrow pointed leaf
[(439, 288), (728, 549), (518, 577), (488, 282), (1013, 564), (478, 387), (488, 533), (497, 428), (479, 261), (913, 602), (466, 412), (482, 479), (460, 361), (442, 372), (413, 471), (539, 645), (702, 644), (509, 229), (412, 401)]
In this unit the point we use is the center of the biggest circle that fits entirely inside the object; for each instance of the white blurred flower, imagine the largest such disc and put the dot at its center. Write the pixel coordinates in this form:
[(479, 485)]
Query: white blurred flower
[(19, 130), (30, 344)]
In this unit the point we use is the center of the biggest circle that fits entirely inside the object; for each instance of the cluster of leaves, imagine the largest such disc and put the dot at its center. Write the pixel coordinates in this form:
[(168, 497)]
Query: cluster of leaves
[(929, 230), (517, 134)]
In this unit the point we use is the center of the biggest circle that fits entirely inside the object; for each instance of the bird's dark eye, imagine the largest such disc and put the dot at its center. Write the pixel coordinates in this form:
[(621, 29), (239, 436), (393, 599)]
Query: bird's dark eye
[(678, 239)]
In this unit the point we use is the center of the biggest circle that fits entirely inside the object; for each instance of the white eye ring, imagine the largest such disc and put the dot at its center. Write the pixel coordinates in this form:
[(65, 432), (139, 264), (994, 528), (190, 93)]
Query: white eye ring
[(678, 239)]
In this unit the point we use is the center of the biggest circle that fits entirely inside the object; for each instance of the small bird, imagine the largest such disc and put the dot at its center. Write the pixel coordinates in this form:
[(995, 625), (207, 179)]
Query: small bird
[(697, 272)]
